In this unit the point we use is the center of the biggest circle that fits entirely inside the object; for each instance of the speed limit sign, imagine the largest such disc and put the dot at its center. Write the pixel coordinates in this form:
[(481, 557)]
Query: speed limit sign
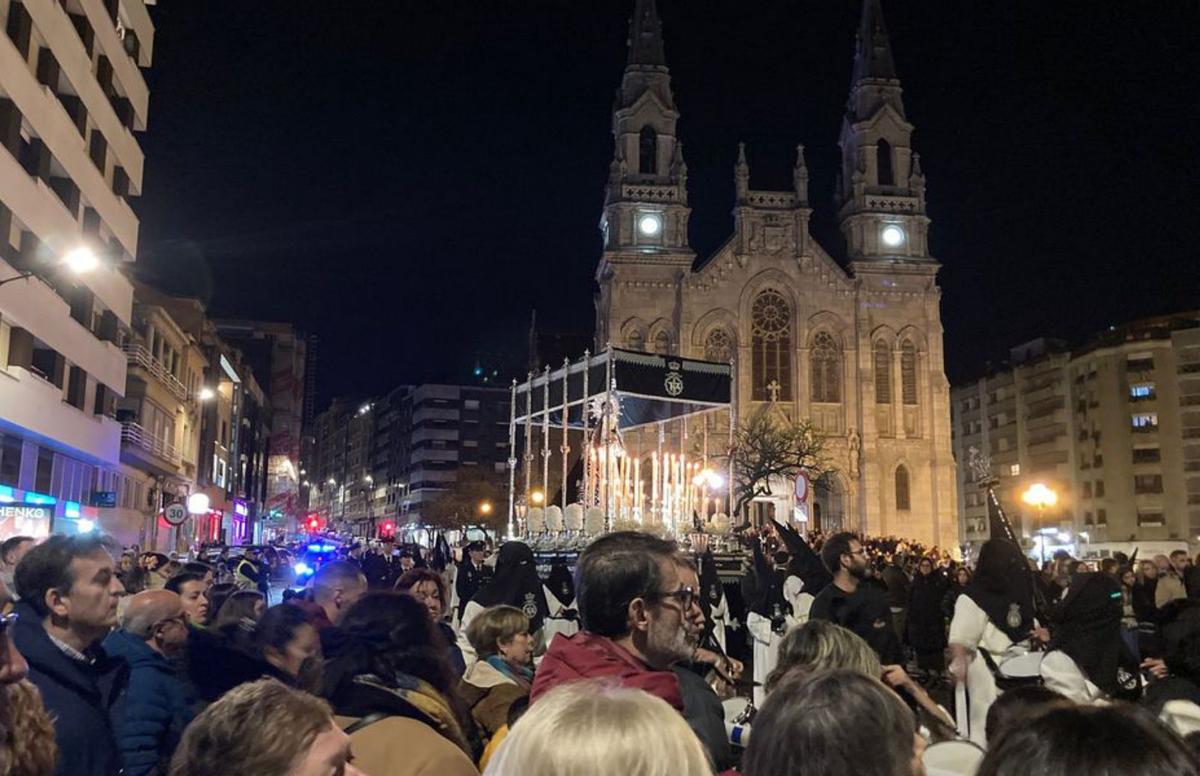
[(175, 514)]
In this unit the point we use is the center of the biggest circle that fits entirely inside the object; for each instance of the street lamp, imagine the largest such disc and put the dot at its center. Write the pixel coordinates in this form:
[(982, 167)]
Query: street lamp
[(205, 394), (1040, 496), (537, 497), (485, 508), (79, 260)]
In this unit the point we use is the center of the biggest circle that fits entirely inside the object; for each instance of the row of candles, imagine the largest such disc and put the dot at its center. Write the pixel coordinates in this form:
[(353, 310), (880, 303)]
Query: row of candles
[(679, 487)]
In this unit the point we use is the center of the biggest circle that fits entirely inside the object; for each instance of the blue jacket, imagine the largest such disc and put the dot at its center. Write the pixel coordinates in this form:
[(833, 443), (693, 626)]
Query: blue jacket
[(82, 698), (157, 706)]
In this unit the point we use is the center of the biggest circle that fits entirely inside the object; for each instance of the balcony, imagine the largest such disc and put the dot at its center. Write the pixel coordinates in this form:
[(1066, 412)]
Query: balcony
[(133, 435), (138, 355)]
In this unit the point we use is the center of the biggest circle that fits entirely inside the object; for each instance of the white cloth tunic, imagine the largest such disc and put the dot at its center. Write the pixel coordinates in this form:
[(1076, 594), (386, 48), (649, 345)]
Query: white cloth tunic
[(971, 628)]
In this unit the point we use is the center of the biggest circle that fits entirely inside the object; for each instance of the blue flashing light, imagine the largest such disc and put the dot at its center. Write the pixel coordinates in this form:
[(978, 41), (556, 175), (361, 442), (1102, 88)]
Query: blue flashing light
[(71, 509), (39, 499), (7, 495), (321, 548)]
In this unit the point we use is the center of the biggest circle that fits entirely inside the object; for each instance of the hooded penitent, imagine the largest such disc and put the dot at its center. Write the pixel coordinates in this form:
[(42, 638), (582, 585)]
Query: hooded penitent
[(1003, 588), (516, 583), (560, 582), (767, 598), (1087, 627), (804, 563)]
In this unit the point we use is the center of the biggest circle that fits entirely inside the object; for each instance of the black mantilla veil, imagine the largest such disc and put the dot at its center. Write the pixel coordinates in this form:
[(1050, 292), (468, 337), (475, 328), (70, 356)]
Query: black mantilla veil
[(516, 583), (560, 582), (767, 598), (1003, 588), (1087, 627)]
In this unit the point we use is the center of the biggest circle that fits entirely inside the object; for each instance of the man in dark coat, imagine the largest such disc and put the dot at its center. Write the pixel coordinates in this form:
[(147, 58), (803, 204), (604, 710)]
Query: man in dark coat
[(471, 573), (850, 603), (69, 592), (157, 705)]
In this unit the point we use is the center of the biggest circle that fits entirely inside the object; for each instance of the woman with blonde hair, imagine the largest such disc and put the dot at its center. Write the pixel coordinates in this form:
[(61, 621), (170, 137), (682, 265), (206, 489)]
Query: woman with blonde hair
[(598, 729), (503, 671)]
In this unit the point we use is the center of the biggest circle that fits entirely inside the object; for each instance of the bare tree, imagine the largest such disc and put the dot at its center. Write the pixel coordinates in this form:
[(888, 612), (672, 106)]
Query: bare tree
[(462, 503), (765, 447)]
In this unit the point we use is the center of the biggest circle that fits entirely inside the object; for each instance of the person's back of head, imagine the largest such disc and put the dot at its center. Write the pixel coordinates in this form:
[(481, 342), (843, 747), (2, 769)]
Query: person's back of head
[(262, 728), (144, 612), (10, 549), (240, 605), (388, 634), (832, 723), (597, 729), (47, 567), (834, 548), (1118, 740), (218, 594), (820, 645), (1018, 704), (614, 570)]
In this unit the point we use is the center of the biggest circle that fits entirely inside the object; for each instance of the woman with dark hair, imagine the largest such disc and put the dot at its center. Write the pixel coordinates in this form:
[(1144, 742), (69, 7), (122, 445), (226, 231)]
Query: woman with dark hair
[(388, 680), (241, 606), (993, 620), (428, 587), (926, 624), (833, 723), (515, 583), (286, 639), (217, 595), (960, 579), (1115, 740)]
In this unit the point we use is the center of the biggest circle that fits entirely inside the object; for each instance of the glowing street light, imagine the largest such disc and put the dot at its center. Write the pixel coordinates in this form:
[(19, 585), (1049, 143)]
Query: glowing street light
[(485, 508), (537, 497), (79, 260), (206, 394), (1040, 496)]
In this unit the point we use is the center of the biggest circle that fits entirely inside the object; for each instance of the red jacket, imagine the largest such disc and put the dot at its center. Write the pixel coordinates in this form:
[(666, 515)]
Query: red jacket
[(588, 656)]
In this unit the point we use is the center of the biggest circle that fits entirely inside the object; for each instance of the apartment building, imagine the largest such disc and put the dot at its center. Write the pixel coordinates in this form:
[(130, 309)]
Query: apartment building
[(340, 491), (1112, 426), (72, 95)]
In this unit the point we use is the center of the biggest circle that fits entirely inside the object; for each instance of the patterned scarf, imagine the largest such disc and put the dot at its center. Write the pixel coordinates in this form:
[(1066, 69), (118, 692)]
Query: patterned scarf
[(425, 698), (520, 674)]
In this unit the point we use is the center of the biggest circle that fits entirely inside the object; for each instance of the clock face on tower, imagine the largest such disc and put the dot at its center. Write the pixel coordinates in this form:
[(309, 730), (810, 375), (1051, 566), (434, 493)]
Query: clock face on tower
[(649, 224), (892, 235)]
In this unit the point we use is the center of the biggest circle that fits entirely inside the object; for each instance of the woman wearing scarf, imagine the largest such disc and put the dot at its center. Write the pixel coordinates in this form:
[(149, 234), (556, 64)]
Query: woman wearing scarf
[(993, 621), (502, 674), (391, 689), (515, 583), (1086, 654)]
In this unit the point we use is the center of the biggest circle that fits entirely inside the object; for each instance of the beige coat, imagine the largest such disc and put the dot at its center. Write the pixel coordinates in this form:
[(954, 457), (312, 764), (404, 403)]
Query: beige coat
[(398, 746), (496, 692)]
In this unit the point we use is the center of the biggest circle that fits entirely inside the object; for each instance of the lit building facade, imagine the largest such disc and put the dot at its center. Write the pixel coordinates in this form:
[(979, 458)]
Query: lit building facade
[(1113, 427), (72, 95)]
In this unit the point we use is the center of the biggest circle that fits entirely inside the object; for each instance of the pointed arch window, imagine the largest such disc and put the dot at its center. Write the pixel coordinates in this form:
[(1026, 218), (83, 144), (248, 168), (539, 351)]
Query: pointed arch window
[(883, 161), (825, 362), (902, 500), (883, 373), (718, 345), (648, 151), (662, 343), (635, 340), (771, 333), (908, 372)]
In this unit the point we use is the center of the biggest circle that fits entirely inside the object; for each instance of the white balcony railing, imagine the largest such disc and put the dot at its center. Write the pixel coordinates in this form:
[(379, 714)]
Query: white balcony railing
[(135, 435), (139, 355)]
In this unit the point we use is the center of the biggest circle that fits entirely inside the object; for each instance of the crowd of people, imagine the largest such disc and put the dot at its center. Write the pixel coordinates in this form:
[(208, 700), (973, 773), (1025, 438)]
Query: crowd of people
[(417, 663)]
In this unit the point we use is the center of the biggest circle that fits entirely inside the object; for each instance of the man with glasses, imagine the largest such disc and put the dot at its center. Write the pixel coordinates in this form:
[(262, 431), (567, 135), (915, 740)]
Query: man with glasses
[(847, 602), (157, 707), (633, 611)]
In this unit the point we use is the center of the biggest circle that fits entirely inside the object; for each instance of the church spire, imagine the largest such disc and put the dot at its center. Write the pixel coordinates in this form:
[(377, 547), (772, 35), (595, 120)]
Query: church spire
[(645, 36), (873, 50)]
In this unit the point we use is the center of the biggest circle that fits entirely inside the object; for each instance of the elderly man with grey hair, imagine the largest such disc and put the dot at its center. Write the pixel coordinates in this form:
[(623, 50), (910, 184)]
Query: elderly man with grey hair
[(157, 704)]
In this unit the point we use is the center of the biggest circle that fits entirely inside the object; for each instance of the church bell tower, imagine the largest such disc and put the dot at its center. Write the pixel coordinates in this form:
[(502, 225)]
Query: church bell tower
[(645, 218), (881, 189)]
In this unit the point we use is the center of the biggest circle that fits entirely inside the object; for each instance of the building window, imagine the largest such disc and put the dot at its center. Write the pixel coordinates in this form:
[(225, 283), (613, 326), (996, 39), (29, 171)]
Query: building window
[(1099, 488), (1087, 489), (636, 340), (10, 460), (883, 159), (471, 404), (1101, 517), (1014, 470), (1150, 519), (1141, 392), (1145, 421), (648, 151), (1147, 483), (718, 346), (1146, 455), (662, 343), (1140, 363), (45, 470), (908, 372), (902, 501), (770, 321), (826, 366), (883, 373)]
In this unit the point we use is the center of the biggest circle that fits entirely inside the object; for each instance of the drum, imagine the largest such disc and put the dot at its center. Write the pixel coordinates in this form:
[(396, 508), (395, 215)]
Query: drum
[(952, 758)]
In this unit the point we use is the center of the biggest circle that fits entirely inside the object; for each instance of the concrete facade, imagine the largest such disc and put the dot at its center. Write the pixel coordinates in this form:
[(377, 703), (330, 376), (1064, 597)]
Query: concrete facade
[(72, 94), (855, 346)]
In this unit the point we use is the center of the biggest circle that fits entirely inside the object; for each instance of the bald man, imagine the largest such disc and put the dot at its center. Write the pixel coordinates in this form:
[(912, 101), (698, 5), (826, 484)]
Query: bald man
[(157, 704)]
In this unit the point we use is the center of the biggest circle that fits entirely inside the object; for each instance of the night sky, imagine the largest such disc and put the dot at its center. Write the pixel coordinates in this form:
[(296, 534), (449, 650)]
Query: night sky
[(408, 180)]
